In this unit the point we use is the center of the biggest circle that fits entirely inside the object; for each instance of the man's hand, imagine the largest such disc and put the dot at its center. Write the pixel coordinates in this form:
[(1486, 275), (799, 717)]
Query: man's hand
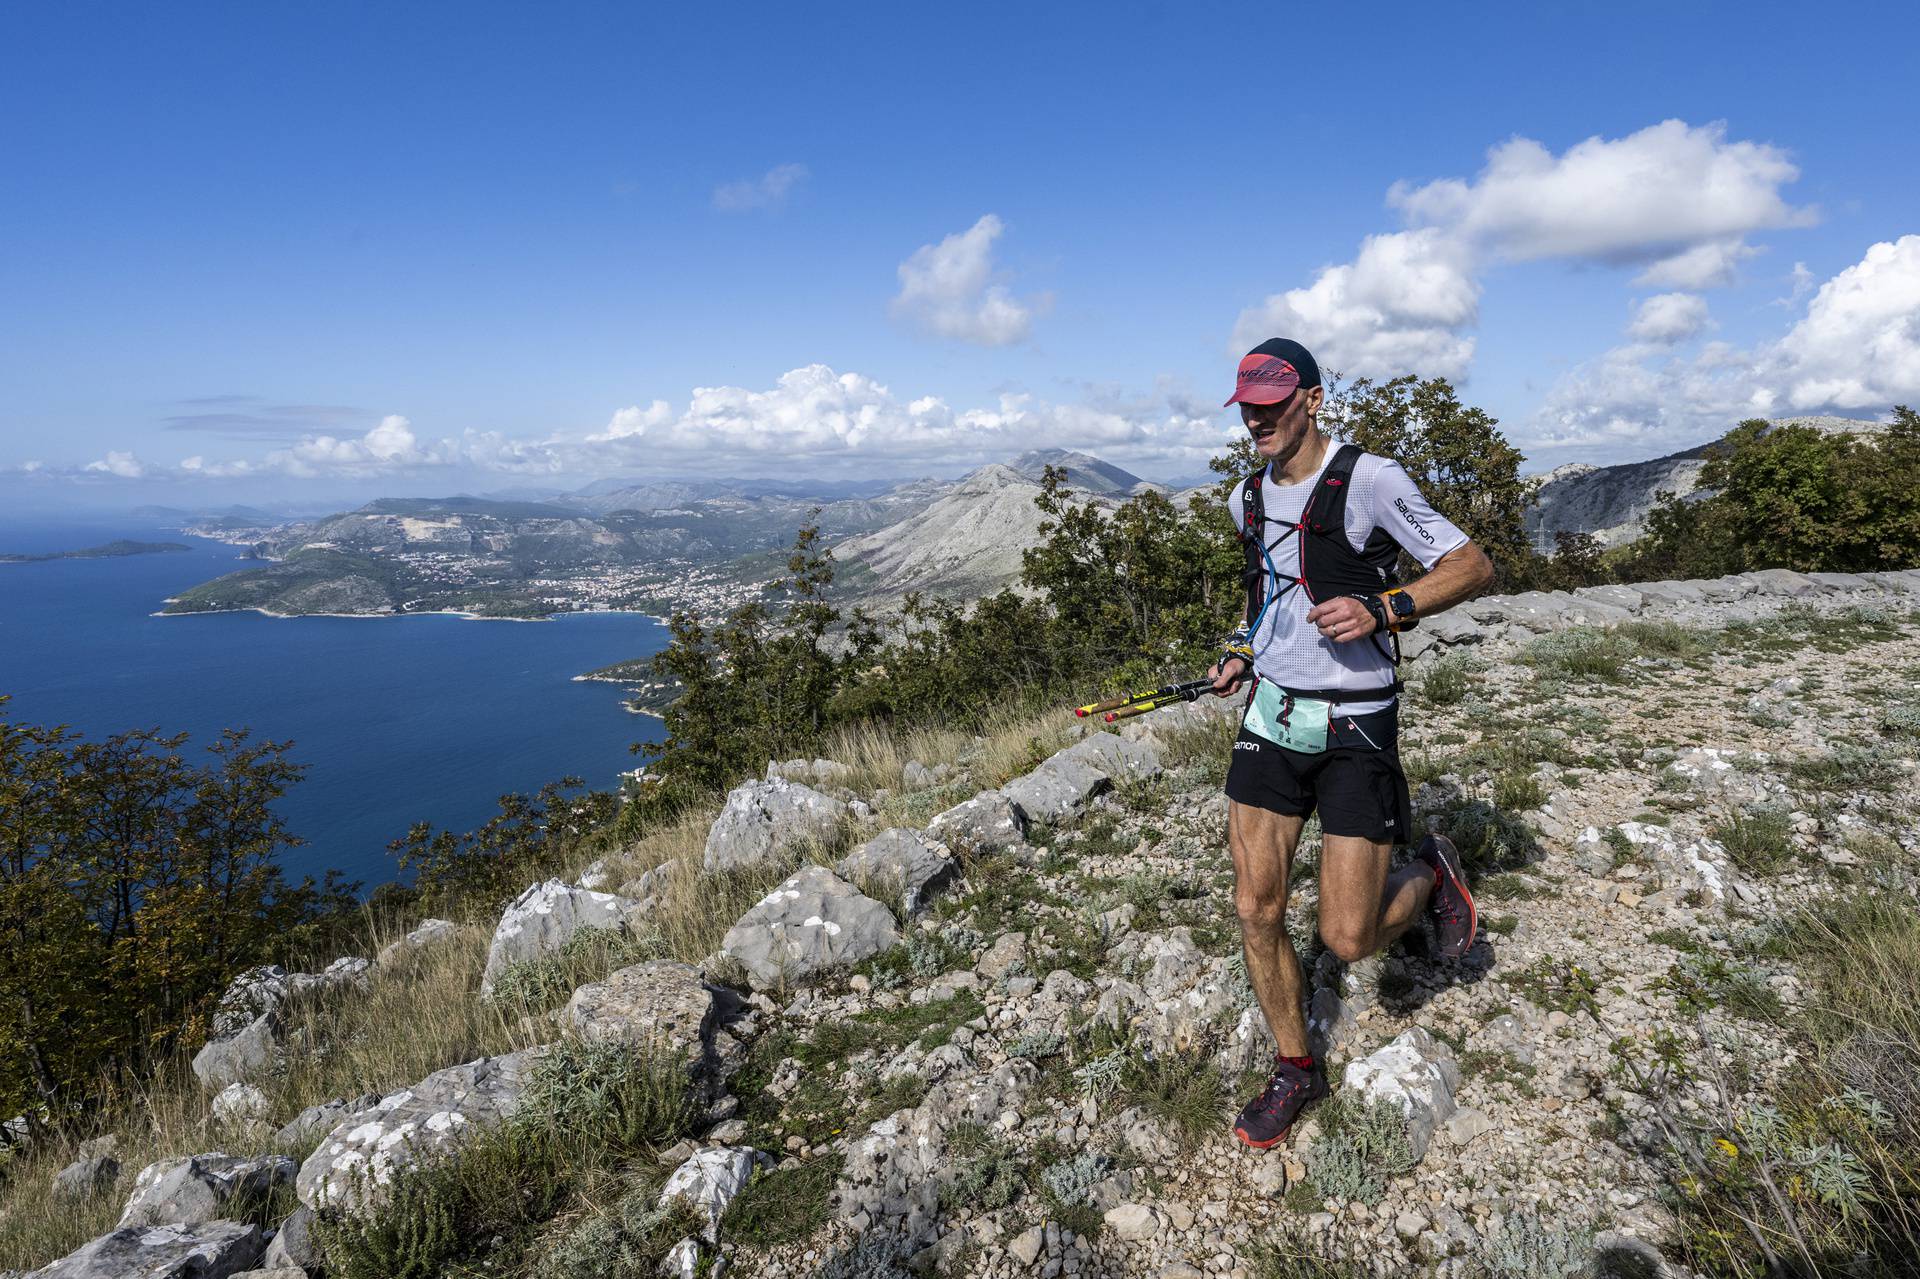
[(1342, 620), (1227, 681)]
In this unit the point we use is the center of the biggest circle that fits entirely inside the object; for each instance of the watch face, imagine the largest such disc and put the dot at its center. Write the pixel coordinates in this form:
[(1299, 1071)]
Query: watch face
[(1402, 603)]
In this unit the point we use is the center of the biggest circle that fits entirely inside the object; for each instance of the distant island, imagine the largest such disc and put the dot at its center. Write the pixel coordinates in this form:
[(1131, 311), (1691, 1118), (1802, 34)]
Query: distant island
[(106, 551)]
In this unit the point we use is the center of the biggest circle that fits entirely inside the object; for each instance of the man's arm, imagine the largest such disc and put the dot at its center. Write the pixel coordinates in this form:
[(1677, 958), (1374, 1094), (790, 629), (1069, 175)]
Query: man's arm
[(1458, 575)]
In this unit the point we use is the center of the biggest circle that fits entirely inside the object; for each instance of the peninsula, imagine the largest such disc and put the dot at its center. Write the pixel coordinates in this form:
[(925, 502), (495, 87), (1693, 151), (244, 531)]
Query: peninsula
[(106, 550)]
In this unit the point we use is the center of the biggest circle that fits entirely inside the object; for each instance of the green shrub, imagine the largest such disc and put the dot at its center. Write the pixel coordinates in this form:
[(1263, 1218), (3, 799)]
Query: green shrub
[(987, 1181), (627, 1241), (585, 1106), (1581, 654), (1847, 768), (1518, 792), (1359, 1150), (626, 1098), (488, 1201), (1182, 1089), (1526, 1247), (782, 1205), (1447, 681), (1663, 639), (1760, 840), (1070, 1182)]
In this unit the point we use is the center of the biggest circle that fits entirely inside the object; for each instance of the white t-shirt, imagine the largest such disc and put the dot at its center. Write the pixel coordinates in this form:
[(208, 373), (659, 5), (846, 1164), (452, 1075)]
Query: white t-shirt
[(1289, 650)]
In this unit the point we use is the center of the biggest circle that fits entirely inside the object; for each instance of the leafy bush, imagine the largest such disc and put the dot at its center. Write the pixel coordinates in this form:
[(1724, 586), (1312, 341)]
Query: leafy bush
[(1360, 1149), (989, 1180)]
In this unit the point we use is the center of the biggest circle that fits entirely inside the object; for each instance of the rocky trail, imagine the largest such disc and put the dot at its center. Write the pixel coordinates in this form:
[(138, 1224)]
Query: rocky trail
[(1003, 1032)]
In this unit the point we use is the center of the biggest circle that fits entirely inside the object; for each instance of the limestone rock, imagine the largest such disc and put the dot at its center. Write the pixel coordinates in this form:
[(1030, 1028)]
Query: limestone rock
[(662, 1004), (292, 1244), (1416, 1075), (1133, 1222), (356, 1162), (813, 772), (430, 933), (1062, 786), (540, 920), (197, 1187), (175, 1250), (900, 861), (315, 1122), (86, 1176), (1007, 955), (241, 1106), (254, 1048), (986, 822), (764, 821), (709, 1180), (244, 1035), (812, 922), (917, 776)]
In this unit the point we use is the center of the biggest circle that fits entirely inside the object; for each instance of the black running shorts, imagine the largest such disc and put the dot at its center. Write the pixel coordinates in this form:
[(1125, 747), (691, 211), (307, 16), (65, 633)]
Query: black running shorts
[(1355, 784)]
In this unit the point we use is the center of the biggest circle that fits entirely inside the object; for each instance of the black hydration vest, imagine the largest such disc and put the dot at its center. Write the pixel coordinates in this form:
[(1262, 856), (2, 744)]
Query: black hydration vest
[(1323, 562)]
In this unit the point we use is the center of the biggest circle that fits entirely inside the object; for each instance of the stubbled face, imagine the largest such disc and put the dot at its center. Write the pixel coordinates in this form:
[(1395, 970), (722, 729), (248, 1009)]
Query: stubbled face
[(1279, 430)]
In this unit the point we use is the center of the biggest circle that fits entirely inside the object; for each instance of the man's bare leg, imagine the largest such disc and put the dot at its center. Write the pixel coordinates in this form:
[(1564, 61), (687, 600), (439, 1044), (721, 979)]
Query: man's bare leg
[(1362, 907), (1262, 844)]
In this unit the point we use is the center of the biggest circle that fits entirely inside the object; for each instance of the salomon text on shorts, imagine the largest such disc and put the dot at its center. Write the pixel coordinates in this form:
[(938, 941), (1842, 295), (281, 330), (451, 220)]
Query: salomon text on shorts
[(1356, 784)]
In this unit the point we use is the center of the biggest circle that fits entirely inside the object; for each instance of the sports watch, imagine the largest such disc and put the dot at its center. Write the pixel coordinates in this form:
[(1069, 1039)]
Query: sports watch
[(1402, 605)]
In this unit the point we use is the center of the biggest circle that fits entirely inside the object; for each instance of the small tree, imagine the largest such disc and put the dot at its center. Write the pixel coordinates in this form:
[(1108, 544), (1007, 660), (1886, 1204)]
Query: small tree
[(1456, 455)]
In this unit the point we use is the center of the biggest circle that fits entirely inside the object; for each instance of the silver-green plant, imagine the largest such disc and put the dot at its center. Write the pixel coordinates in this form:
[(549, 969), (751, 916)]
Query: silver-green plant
[(1526, 1247), (1071, 1181)]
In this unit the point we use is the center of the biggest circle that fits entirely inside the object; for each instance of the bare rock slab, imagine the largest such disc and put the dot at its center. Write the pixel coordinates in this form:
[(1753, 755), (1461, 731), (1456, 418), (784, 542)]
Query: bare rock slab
[(708, 1180), (176, 1250), (986, 822), (662, 1005), (355, 1164), (764, 821), (812, 922), (899, 861), (430, 933), (1417, 1076), (196, 1188), (540, 920)]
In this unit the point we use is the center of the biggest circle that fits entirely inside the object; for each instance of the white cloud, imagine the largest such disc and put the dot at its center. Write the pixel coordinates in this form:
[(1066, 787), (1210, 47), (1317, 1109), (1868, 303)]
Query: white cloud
[(634, 420), (1668, 318), (1674, 199), (828, 420), (768, 191), (1667, 189), (1704, 266), (949, 289), (119, 464), (1857, 348), (1399, 306)]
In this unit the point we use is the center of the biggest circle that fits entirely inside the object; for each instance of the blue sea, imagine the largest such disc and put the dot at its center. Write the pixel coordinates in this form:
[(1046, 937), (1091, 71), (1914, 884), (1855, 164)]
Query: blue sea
[(398, 720)]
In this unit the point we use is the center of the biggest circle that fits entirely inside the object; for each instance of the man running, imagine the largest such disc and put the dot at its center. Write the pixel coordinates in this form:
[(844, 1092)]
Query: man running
[(1323, 524)]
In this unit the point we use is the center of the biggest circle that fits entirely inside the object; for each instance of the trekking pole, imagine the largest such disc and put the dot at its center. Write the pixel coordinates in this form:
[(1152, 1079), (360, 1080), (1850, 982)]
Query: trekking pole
[(1140, 703)]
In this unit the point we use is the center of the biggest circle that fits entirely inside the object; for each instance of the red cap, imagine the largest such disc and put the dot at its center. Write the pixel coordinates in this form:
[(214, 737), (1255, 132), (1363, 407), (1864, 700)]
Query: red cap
[(1264, 379)]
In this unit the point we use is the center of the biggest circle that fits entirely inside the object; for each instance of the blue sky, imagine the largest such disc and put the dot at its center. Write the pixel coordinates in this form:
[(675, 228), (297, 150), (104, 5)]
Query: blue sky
[(253, 251)]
